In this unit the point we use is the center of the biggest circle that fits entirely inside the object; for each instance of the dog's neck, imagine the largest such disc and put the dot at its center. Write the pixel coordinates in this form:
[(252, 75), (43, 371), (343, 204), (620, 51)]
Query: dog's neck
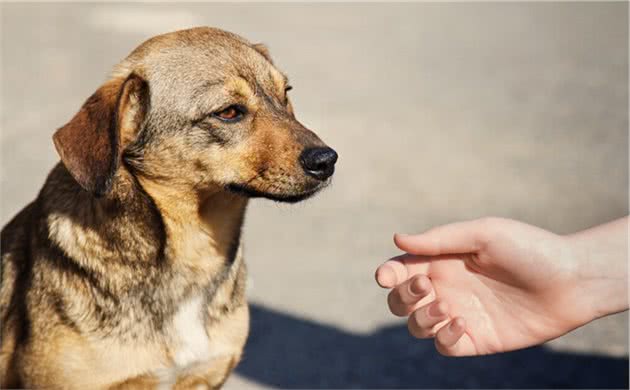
[(203, 228)]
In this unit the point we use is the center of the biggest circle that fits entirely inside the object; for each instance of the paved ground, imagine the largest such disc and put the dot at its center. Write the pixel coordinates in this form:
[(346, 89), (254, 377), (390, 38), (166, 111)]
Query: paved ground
[(439, 113)]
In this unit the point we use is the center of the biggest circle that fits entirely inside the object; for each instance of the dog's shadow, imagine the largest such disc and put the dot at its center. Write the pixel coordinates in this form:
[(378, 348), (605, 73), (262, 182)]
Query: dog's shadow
[(290, 352)]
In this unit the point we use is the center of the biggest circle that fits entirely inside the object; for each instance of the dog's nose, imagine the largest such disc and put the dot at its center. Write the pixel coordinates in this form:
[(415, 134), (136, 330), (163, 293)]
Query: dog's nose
[(319, 162)]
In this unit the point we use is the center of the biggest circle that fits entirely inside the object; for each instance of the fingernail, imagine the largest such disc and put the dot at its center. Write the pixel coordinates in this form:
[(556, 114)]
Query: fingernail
[(386, 276)]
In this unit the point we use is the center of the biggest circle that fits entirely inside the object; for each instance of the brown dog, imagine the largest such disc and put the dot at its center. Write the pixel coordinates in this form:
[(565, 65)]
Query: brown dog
[(126, 271)]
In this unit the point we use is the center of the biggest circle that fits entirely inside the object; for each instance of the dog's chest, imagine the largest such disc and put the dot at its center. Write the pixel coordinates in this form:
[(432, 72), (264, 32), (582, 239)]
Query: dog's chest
[(184, 345), (190, 342)]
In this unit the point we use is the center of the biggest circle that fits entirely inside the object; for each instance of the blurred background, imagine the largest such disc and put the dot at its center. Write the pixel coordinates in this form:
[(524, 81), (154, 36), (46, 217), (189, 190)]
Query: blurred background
[(440, 112)]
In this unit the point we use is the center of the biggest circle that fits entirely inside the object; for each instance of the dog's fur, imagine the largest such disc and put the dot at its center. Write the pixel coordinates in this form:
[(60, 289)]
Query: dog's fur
[(127, 269)]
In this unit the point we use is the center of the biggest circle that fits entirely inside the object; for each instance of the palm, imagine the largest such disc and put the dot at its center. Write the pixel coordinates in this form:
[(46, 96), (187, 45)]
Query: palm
[(506, 301)]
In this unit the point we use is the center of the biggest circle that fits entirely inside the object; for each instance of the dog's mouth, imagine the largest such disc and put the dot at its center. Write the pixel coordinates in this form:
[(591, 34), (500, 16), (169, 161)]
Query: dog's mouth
[(250, 192)]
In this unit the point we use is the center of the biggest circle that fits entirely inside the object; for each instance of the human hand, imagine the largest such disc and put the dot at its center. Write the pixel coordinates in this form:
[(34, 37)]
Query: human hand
[(490, 285)]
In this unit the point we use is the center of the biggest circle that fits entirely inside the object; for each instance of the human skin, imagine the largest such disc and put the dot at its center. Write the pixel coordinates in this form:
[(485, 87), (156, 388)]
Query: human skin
[(495, 285)]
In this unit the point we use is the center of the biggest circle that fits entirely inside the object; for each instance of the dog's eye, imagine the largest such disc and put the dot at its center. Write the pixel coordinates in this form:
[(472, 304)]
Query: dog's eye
[(231, 113), (288, 88)]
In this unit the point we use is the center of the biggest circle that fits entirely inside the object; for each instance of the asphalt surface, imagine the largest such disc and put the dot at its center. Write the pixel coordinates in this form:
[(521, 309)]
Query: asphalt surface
[(439, 112)]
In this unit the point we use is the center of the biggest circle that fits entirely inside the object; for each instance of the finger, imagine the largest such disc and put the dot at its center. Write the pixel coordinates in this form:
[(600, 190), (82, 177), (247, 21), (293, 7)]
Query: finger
[(447, 337), (391, 273), (414, 289), (424, 321), (404, 299), (459, 237)]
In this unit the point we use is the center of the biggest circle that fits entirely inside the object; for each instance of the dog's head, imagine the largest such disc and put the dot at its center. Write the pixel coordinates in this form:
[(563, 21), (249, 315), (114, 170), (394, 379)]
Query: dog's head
[(200, 109)]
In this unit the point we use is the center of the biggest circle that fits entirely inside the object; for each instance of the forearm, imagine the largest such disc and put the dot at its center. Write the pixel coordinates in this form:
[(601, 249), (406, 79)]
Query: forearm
[(602, 266)]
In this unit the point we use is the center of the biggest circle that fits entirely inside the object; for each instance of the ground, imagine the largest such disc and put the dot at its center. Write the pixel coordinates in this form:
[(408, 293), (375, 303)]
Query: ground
[(439, 112)]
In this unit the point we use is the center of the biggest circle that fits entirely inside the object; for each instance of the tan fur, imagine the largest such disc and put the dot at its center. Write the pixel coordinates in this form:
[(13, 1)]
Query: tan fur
[(127, 271)]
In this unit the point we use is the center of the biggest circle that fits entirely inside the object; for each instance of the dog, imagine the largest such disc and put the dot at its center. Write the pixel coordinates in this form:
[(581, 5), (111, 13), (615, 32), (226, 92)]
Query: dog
[(127, 269)]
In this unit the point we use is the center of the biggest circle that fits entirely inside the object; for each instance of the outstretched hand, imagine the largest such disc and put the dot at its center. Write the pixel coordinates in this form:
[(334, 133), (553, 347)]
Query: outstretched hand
[(489, 285)]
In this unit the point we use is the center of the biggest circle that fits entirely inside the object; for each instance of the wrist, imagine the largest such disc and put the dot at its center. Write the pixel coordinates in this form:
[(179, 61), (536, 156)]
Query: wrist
[(601, 273)]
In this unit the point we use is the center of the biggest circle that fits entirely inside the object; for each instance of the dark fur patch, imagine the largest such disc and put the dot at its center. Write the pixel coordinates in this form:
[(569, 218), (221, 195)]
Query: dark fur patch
[(61, 261), (159, 220), (23, 264), (59, 306), (17, 241), (250, 192)]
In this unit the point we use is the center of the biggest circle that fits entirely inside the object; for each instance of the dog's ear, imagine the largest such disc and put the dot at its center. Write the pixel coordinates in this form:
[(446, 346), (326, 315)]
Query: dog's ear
[(90, 144), (262, 49)]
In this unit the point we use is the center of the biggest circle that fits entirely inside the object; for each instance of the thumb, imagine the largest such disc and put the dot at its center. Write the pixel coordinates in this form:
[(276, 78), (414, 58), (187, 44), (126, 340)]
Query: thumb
[(459, 237)]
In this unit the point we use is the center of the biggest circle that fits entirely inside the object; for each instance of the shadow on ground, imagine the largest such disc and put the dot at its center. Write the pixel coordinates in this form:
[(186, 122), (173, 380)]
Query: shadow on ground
[(291, 352)]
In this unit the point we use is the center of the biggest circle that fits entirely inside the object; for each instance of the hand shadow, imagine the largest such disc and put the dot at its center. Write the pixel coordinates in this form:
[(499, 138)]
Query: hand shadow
[(290, 352)]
